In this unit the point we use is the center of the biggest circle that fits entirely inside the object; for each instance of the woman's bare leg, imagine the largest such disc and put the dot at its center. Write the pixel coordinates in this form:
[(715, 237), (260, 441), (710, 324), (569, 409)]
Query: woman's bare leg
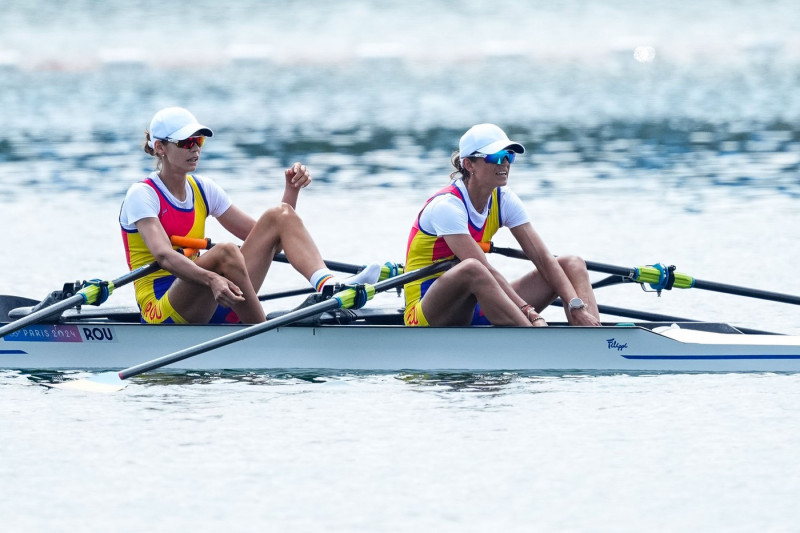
[(575, 269), (534, 289), (196, 304), (280, 228), (451, 299)]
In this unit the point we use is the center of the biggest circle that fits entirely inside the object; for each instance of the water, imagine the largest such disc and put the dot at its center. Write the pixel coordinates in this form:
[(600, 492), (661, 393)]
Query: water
[(689, 155), (406, 453)]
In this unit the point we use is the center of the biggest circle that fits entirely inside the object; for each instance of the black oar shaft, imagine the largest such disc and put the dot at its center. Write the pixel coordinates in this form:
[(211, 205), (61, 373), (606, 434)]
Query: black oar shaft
[(285, 320), (347, 268), (285, 294), (207, 244), (591, 265), (641, 315), (631, 313), (133, 275), (698, 283), (657, 317), (744, 291), (610, 269)]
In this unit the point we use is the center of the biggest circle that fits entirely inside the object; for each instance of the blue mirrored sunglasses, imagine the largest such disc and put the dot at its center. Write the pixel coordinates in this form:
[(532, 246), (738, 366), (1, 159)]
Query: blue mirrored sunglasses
[(497, 158)]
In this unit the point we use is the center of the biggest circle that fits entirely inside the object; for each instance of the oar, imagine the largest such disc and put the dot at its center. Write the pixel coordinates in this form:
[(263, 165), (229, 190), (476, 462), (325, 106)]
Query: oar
[(388, 270), (9, 303), (660, 278), (656, 317), (347, 298), (90, 294), (286, 294)]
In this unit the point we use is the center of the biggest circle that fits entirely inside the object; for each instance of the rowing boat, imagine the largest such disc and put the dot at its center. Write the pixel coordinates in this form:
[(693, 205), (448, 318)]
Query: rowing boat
[(375, 340), (335, 332)]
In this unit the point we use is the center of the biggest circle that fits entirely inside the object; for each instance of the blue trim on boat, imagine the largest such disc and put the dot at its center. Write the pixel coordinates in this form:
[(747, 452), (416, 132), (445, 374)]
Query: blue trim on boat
[(706, 357), (13, 352)]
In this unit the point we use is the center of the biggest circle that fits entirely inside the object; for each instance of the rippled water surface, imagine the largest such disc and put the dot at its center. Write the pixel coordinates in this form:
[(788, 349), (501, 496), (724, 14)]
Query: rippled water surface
[(405, 453), (656, 131)]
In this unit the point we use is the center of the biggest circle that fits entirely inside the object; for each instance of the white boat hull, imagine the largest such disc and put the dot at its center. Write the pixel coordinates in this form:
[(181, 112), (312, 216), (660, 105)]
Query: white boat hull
[(105, 345)]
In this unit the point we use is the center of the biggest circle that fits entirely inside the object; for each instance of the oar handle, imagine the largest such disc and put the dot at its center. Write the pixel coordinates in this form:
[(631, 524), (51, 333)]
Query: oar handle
[(191, 242)]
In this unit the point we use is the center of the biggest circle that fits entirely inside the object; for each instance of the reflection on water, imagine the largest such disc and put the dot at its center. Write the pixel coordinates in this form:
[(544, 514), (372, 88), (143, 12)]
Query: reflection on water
[(441, 381), (167, 377)]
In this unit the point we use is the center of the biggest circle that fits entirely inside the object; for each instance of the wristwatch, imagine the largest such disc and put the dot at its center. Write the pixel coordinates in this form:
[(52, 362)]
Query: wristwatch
[(576, 304)]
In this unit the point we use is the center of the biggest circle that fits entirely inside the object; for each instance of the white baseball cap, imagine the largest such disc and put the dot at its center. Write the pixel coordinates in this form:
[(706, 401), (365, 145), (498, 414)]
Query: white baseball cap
[(486, 139), (175, 124)]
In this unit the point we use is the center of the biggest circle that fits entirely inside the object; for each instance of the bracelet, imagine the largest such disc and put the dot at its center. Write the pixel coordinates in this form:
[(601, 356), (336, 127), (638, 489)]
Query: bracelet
[(527, 308)]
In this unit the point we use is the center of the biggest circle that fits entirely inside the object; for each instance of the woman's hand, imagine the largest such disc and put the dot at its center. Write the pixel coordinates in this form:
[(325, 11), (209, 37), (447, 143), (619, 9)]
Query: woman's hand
[(298, 176), (225, 292), (539, 322), (535, 318), (582, 317)]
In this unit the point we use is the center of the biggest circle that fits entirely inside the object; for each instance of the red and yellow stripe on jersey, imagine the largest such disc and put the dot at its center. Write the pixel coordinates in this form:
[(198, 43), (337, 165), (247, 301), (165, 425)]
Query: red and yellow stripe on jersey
[(176, 221), (426, 248)]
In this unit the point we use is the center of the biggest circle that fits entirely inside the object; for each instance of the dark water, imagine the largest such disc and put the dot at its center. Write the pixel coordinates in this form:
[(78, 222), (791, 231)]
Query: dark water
[(378, 97), (355, 134)]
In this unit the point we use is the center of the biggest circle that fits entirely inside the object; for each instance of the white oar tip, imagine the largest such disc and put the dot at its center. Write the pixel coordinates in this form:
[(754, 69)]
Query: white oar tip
[(105, 382)]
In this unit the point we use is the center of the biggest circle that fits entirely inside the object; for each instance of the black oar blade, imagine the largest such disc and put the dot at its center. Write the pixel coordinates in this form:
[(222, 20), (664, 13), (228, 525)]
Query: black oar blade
[(41, 314), (9, 303), (84, 296)]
